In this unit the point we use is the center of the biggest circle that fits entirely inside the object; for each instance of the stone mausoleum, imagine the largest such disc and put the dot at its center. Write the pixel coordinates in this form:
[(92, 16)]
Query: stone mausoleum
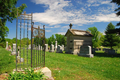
[(76, 39)]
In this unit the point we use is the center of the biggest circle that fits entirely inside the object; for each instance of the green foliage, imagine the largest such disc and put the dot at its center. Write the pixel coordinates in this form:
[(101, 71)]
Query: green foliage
[(50, 40), (118, 9), (8, 12), (111, 39), (38, 41), (7, 62), (29, 75), (61, 39), (2, 44), (95, 38)]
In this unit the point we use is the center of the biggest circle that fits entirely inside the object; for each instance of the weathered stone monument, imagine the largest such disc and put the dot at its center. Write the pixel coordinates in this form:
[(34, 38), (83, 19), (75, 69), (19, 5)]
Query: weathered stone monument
[(46, 47), (85, 51), (14, 50), (41, 48), (93, 50), (33, 46), (76, 39), (59, 49), (51, 48), (9, 48), (62, 47), (29, 47), (6, 45), (55, 45)]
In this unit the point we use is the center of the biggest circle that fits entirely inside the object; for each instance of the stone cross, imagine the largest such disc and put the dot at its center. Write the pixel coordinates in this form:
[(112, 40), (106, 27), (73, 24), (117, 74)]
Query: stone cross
[(70, 25)]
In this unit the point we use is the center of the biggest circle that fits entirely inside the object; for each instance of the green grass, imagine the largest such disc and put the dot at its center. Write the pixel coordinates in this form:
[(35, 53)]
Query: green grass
[(7, 62), (73, 67)]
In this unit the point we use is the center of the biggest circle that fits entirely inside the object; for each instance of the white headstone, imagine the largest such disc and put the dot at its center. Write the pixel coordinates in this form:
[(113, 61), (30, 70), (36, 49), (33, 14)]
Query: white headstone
[(14, 50), (55, 45), (62, 47), (51, 48), (46, 47), (6, 45), (41, 48), (59, 49), (29, 47)]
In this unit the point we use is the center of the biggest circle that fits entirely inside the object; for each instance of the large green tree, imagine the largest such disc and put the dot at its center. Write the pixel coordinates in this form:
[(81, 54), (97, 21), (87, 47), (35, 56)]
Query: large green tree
[(51, 39), (95, 38), (118, 9), (111, 39), (8, 12), (61, 39)]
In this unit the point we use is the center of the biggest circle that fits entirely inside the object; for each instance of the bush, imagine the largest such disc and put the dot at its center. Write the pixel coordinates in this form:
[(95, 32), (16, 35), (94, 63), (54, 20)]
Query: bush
[(28, 75), (2, 45)]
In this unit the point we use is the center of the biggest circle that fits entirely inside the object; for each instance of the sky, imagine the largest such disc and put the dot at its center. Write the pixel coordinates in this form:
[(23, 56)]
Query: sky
[(56, 15)]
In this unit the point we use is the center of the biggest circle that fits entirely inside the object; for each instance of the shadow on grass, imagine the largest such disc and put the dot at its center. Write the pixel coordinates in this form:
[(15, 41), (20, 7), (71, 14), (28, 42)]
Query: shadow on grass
[(106, 55)]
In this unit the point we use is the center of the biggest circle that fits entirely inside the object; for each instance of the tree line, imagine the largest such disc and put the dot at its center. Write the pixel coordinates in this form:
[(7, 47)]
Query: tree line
[(108, 40)]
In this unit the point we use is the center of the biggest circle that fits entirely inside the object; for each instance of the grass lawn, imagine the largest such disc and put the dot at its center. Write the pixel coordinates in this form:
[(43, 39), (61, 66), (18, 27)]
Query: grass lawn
[(72, 67), (7, 62)]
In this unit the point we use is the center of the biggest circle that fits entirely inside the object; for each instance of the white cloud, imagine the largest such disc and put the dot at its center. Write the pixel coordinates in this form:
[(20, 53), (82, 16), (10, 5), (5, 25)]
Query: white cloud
[(56, 14), (62, 33), (47, 30)]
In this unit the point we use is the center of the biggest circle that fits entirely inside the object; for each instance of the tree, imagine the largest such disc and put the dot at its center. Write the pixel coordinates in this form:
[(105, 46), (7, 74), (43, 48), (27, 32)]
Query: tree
[(61, 39), (101, 38), (95, 38), (50, 40), (111, 39), (118, 9), (8, 12)]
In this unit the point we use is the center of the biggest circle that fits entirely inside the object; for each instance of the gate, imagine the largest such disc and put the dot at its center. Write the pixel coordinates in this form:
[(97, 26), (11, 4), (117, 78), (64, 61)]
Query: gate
[(30, 43)]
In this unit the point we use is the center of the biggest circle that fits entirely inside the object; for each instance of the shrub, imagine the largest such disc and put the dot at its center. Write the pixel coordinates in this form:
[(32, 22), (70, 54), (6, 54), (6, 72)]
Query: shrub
[(28, 75), (2, 44)]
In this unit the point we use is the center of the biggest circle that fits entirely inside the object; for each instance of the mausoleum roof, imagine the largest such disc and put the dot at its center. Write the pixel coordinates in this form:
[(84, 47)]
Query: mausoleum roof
[(78, 32)]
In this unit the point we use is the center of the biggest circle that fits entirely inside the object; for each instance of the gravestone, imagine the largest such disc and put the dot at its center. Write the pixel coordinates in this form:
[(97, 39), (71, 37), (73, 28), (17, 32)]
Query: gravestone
[(62, 47), (14, 50), (59, 49), (46, 47), (9, 48), (33, 46), (93, 50), (29, 47), (111, 52), (41, 48), (51, 48), (55, 45), (85, 51), (6, 45)]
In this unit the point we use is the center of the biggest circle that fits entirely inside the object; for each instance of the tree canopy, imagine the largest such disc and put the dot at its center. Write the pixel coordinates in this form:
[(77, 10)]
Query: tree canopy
[(118, 9), (111, 39), (8, 12), (95, 39)]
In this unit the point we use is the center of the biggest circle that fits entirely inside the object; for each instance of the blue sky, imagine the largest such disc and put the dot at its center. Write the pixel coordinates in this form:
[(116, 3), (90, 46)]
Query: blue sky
[(56, 15)]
